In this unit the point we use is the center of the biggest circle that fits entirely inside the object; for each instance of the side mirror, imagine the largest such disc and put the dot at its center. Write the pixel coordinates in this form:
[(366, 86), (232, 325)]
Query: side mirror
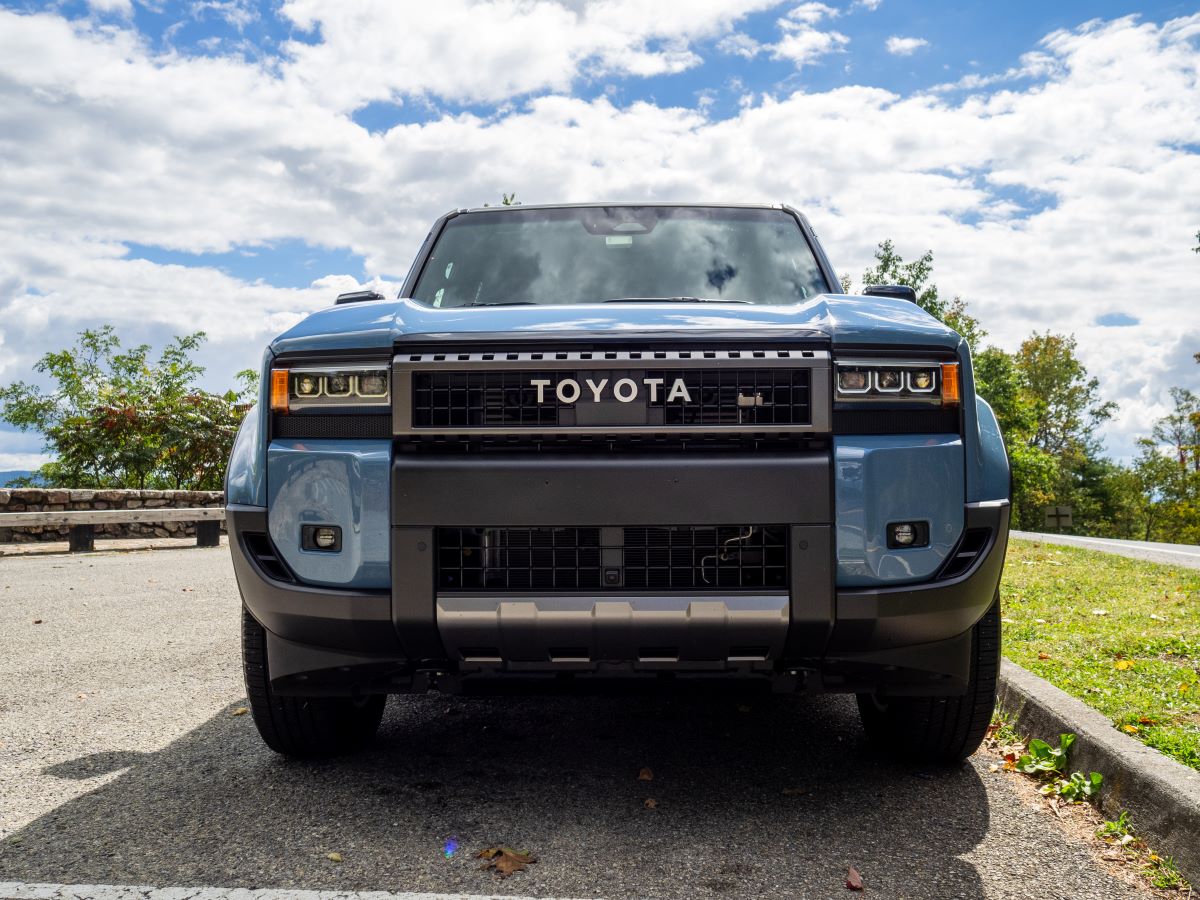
[(898, 291), (358, 297)]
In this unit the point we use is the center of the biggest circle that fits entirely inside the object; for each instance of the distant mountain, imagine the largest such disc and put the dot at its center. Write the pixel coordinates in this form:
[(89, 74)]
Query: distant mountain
[(6, 477)]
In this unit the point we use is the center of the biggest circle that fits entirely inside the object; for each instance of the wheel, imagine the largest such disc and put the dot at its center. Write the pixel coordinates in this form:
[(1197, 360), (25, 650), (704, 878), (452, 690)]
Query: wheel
[(941, 729), (303, 726)]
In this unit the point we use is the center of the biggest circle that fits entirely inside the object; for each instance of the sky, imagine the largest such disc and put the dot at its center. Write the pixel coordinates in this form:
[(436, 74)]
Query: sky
[(230, 166)]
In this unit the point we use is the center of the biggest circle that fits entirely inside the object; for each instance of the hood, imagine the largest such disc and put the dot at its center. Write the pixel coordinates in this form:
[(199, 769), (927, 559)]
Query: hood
[(839, 318)]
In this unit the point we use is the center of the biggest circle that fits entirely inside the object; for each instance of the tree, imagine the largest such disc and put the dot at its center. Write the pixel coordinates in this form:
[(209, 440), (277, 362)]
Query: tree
[(1181, 428), (116, 418), (1067, 405), (890, 268)]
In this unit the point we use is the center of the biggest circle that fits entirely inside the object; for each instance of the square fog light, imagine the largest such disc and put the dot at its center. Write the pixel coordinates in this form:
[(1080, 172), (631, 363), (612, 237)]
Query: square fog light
[(321, 537), (904, 535)]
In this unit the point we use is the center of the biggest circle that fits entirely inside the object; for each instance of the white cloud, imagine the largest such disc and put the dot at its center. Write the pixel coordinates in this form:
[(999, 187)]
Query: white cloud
[(812, 13), (868, 5), (121, 7), (904, 46), (803, 44), (10, 462), (107, 142), (739, 44), (491, 50)]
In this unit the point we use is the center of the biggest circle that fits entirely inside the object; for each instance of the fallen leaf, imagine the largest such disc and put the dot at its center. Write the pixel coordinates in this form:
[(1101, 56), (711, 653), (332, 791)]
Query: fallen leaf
[(334, 857), (853, 879), (240, 711), (505, 860), (1123, 664), (646, 774), (993, 768), (1010, 762), (1043, 656), (37, 621), (1146, 720), (650, 803), (1130, 729)]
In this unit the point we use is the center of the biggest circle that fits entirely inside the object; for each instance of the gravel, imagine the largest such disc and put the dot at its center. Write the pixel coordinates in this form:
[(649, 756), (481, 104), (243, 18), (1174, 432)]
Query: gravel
[(122, 762)]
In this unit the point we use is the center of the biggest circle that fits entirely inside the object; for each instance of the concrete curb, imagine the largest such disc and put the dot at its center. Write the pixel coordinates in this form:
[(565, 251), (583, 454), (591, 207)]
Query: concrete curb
[(1161, 796)]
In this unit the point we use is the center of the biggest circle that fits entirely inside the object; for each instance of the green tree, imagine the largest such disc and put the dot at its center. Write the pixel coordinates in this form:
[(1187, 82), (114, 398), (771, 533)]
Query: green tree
[(1181, 428), (1066, 402), (890, 268), (115, 417)]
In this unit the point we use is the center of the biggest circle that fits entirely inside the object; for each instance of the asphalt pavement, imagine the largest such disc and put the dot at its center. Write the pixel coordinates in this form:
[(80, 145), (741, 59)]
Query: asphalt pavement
[(123, 761), (1187, 555)]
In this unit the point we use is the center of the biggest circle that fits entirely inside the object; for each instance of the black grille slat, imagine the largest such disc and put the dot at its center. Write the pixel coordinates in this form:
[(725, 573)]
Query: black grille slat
[(719, 396), (669, 558)]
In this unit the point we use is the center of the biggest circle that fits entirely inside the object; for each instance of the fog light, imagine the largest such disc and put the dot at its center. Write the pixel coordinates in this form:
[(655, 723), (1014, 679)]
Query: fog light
[(321, 537), (908, 534)]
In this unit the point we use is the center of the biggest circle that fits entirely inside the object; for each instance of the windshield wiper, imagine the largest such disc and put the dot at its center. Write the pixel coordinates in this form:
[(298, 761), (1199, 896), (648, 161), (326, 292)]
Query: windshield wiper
[(672, 300), (503, 303)]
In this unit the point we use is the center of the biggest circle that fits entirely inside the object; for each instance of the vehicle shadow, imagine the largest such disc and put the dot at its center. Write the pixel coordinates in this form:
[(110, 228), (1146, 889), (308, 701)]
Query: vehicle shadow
[(762, 797)]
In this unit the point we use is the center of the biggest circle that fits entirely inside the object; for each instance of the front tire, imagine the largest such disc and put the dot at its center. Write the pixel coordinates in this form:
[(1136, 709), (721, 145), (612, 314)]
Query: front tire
[(941, 729), (303, 727)]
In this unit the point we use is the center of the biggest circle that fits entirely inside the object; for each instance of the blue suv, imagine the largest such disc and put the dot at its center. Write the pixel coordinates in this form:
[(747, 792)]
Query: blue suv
[(618, 443)]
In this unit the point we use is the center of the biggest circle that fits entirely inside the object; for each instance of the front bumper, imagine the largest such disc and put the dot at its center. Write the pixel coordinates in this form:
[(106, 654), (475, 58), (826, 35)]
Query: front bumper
[(911, 639)]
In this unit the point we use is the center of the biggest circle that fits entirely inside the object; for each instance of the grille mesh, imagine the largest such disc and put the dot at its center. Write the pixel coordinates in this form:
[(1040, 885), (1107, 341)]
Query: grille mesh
[(718, 397), (737, 557)]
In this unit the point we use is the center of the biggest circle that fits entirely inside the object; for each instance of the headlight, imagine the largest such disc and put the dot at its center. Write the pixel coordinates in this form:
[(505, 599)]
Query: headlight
[(912, 381), (320, 387)]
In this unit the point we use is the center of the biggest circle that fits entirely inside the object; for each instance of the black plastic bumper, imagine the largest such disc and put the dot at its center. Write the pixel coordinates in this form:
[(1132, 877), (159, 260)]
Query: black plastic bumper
[(913, 639)]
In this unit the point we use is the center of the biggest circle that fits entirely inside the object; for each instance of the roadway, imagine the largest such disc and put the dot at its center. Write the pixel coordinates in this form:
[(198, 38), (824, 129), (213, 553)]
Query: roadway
[(123, 761), (1170, 554)]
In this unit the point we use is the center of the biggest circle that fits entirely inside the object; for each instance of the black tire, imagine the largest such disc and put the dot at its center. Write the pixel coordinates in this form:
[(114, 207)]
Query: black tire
[(941, 729), (303, 726)]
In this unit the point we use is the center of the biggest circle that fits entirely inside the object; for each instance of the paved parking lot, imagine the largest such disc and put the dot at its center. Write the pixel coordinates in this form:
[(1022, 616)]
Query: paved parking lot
[(122, 763)]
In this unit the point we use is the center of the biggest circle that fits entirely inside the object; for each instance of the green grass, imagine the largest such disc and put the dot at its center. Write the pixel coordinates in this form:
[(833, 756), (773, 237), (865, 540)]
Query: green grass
[(1120, 634)]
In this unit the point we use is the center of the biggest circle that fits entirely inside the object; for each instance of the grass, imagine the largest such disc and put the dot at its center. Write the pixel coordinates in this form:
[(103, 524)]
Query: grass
[(1120, 634)]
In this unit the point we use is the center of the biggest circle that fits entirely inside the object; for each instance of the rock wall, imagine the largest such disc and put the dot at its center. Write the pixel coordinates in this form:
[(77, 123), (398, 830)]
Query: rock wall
[(59, 499)]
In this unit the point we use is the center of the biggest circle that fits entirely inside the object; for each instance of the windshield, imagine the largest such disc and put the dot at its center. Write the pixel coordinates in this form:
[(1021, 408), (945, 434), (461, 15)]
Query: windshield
[(639, 253)]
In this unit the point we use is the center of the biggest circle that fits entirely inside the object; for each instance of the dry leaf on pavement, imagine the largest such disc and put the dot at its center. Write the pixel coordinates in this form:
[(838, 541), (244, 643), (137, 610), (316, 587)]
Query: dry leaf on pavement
[(650, 803), (240, 711), (505, 860), (334, 857), (645, 774), (853, 879)]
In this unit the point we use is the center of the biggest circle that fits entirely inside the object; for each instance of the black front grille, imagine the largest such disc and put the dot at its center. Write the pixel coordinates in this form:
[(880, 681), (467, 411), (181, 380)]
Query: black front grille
[(763, 397), (726, 557), (332, 425)]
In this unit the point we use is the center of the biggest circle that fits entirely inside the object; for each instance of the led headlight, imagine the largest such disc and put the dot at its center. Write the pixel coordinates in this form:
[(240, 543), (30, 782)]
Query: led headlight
[(892, 380), (303, 387)]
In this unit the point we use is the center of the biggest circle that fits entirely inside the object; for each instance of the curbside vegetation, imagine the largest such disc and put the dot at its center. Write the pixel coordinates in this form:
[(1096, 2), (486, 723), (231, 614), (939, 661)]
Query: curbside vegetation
[(1140, 788)]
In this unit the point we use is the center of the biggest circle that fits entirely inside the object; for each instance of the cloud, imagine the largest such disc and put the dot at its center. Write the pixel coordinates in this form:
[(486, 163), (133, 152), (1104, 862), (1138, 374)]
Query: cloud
[(120, 7), (492, 50), (1049, 198), (739, 44), (904, 46), (803, 44)]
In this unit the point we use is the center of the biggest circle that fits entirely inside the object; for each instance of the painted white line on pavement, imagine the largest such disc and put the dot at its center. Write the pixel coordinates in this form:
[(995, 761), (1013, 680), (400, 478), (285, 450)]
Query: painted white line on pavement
[(16, 890)]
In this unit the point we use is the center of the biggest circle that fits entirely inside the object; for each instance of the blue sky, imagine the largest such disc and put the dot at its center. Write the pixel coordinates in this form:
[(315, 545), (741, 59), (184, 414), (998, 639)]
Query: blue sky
[(230, 165)]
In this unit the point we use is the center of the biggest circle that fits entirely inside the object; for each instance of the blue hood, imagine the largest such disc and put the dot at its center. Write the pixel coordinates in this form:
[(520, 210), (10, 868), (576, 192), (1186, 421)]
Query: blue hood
[(840, 318)]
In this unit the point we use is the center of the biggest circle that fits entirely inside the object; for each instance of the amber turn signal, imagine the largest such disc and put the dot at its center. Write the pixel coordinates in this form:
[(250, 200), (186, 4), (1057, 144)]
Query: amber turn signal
[(279, 390), (951, 395)]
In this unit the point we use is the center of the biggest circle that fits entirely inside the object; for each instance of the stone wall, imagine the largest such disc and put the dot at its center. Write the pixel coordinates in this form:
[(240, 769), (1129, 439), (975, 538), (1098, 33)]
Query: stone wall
[(59, 499)]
